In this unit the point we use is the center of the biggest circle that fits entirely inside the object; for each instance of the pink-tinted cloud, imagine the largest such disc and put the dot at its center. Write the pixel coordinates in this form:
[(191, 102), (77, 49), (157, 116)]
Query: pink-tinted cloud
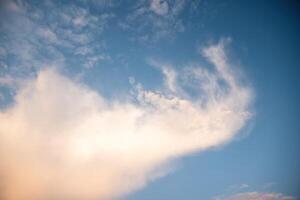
[(61, 140)]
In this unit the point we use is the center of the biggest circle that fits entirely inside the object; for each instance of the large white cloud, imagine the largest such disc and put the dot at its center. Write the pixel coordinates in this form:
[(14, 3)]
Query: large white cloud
[(62, 140)]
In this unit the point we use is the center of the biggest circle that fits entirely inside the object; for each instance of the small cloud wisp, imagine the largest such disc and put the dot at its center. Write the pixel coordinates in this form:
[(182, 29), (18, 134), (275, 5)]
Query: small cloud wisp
[(257, 196)]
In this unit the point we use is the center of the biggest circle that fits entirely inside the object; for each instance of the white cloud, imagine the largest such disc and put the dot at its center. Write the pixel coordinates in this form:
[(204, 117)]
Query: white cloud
[(34, 38), (178, 6), (257, 196), (160, 7), (155, 19), (237, 187), (83, 51), (80, 21), (170, 75), (62, 140), (91, 61), (48, 35)]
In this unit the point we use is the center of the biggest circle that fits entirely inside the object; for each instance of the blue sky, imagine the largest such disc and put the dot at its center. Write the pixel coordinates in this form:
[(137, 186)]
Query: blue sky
[(149, 99)]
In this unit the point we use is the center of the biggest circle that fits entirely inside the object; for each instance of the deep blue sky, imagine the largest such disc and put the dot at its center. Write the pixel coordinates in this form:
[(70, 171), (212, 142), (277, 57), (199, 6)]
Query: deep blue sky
[(264, 44)]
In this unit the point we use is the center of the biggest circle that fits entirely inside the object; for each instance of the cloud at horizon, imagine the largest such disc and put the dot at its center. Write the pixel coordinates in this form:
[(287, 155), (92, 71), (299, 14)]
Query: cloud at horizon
[(256, 196), (62, 140)]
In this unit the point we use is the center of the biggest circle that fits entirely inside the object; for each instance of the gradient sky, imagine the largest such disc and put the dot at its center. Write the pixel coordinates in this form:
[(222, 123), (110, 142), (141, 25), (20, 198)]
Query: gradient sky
[(112, 46)]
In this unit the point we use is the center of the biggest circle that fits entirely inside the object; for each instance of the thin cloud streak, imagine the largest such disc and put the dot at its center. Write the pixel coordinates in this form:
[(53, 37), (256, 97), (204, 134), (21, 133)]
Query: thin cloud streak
[(257, 196), (62, 140)]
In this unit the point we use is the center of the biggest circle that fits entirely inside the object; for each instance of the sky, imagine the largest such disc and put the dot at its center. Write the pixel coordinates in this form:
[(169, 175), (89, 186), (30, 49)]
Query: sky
[(149, 99)]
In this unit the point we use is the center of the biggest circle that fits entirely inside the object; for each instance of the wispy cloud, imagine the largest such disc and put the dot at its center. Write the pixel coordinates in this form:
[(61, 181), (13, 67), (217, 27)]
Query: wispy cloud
[(257, 196), (62, 140), (170, 75), (162, 19), (45, 33), (159, 7)]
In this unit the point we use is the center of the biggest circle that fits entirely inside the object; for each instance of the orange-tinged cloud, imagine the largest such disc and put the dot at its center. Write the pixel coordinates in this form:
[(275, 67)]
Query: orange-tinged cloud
[(61, 140)]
